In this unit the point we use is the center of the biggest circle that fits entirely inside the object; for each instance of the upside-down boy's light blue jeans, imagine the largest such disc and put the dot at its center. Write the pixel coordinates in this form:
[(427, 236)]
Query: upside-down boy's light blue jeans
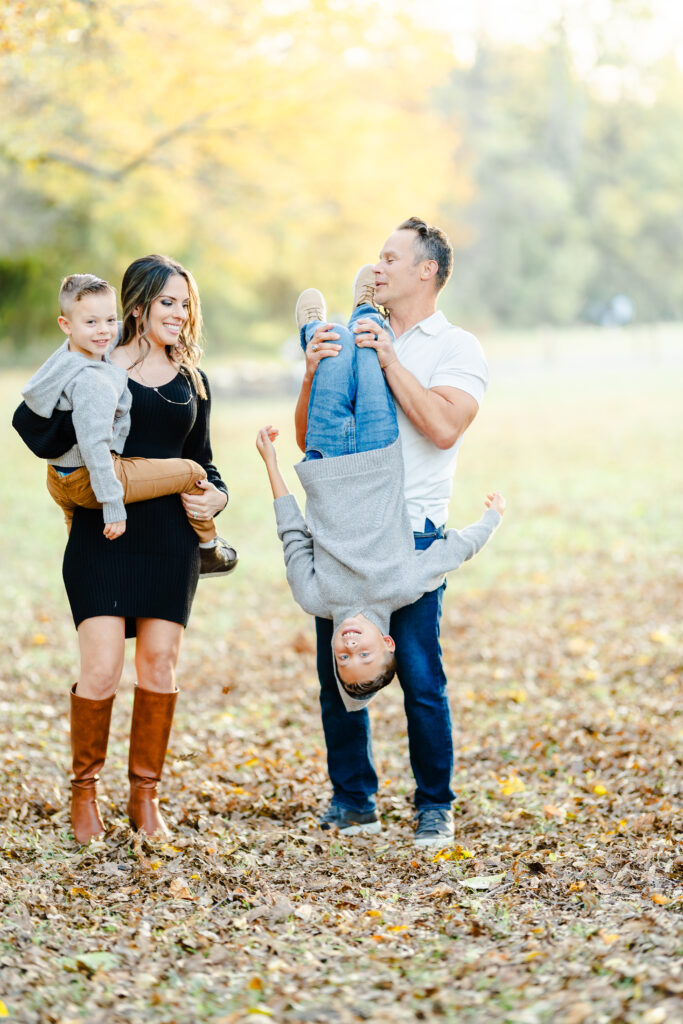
[(350, 408)]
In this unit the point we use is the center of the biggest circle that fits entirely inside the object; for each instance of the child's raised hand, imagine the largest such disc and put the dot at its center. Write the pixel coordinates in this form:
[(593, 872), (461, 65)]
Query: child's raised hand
[(113, 530), (264, 442), (496, 501)]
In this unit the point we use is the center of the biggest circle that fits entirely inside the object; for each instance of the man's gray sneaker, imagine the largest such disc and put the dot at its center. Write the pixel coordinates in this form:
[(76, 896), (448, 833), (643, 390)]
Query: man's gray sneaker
[(434, 827), (350, 822)]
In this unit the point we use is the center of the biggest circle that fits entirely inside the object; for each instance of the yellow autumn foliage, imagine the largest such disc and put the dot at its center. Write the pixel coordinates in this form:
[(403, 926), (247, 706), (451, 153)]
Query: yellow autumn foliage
[(268, 145)]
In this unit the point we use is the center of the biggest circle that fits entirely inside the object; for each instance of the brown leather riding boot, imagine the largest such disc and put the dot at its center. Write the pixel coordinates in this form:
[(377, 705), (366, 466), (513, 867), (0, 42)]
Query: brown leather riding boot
[(89, 736), (149, 732)]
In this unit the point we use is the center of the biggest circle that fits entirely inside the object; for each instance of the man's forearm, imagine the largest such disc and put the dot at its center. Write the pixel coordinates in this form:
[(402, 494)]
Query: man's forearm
[(301, 412), (441, 419)]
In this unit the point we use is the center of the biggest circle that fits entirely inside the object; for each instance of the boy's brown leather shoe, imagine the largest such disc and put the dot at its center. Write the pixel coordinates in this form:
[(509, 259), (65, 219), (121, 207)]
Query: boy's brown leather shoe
[(218, 560)]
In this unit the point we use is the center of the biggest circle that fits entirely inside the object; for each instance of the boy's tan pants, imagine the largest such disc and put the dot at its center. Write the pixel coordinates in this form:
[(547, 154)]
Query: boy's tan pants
[(141, 479)]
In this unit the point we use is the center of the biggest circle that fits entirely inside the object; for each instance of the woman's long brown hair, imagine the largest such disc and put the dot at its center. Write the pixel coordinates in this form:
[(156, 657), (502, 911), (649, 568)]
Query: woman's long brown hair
[(142, 283)]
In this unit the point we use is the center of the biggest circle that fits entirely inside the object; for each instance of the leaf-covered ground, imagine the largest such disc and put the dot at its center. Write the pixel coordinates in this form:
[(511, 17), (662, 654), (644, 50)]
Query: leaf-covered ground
[(562, 899)]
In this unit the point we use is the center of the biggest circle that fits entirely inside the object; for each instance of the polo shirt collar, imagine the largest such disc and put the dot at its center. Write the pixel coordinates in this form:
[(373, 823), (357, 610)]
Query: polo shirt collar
[(433, 324)]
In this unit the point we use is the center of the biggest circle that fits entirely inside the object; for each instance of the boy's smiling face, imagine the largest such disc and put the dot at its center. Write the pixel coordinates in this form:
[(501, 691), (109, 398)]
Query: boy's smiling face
[(360, 649), (91, 324)]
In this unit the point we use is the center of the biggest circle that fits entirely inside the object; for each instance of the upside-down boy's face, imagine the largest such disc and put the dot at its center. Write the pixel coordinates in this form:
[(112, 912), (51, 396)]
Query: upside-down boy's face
[(360, 649)]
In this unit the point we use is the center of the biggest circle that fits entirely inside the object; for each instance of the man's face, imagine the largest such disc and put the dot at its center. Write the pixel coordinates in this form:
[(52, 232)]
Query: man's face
[(397, 275), (359, 649)]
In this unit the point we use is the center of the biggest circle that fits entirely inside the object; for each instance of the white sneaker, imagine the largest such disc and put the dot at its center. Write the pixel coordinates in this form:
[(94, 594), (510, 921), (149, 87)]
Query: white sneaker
[(364, 287), (310, 306)]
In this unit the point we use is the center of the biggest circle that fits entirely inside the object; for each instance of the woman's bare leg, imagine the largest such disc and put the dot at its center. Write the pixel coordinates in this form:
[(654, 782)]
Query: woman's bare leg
[(102, 646), (156, 654)]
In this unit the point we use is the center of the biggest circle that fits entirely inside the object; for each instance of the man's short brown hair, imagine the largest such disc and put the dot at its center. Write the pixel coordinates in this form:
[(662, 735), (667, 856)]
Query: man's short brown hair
[(366, 687), (75, 286), (431, 244)]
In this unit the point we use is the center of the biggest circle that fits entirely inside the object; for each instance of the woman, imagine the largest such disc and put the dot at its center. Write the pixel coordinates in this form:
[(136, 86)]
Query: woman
[(143, 583)]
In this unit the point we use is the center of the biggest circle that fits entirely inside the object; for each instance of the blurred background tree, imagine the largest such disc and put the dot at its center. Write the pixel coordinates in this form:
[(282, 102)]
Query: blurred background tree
[(274, 145)]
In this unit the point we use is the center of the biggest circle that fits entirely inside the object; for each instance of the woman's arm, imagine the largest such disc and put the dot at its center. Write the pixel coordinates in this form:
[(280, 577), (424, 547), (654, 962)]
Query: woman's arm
[(198, 447), (47, 437)]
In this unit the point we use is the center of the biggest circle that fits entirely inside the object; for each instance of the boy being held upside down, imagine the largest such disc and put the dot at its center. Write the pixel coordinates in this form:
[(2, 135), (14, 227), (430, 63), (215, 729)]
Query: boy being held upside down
[(352, 559)]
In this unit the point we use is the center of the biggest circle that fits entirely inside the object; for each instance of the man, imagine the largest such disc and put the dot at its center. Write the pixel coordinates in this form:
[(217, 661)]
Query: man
[(438, 375)]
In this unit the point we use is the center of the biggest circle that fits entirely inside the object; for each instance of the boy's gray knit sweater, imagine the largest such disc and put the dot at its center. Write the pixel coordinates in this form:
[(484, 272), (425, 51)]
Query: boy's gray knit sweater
[(97, 392), (355, 551)]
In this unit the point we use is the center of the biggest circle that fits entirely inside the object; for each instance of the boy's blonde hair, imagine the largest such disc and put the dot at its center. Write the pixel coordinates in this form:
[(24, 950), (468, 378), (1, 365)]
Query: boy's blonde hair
[(75, 286)]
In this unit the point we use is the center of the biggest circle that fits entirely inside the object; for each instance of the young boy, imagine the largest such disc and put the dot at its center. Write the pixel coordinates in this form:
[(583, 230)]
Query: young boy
[(353, 559), (92, 474)]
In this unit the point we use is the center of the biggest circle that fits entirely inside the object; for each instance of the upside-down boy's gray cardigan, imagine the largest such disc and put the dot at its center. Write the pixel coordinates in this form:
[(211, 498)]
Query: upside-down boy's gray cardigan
[(355, 551), (97, 392)]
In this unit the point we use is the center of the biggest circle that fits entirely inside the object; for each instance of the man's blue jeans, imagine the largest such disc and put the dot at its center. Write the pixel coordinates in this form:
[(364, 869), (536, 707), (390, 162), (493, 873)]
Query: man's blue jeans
[(415, 629), (350, 408)]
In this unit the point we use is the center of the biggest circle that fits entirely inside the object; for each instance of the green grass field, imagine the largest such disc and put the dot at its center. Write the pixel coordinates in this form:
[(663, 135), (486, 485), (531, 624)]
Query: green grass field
[(562, 640), (589, 460)]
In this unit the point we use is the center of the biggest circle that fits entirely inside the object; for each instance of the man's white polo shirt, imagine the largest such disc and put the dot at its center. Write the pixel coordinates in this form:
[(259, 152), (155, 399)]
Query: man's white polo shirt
[(438, 354)]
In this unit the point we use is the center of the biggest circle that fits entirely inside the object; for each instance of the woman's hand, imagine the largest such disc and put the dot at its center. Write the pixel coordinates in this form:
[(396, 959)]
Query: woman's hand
[(321, 345), (113, 530), (264, 443), (369, 335), (204, 506)]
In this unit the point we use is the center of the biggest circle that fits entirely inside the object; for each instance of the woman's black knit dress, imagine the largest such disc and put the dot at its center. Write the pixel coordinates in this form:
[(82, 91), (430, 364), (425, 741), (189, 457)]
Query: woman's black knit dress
[(152, 570)]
